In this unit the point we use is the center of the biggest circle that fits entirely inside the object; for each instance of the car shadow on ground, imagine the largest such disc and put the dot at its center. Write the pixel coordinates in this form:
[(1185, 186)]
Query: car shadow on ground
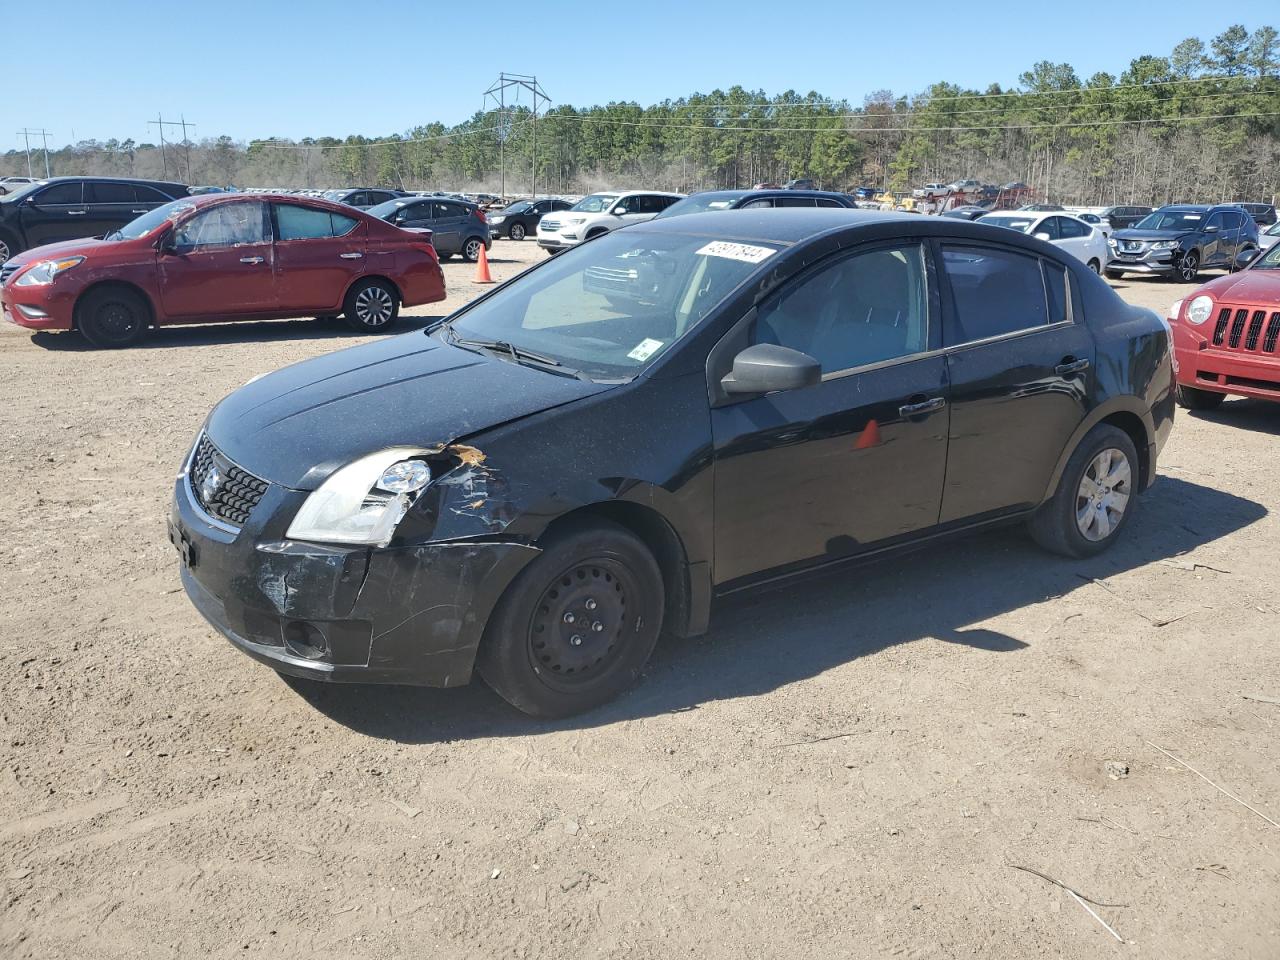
[(1260, 416), (243, 331), (760, 642)]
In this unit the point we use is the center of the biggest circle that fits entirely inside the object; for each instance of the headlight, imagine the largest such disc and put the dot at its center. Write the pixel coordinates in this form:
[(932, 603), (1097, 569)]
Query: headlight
[(363, 502), (44, 272), (1164, 244), (576, 219), (496, 219), (1199, 310), (1111, 241)]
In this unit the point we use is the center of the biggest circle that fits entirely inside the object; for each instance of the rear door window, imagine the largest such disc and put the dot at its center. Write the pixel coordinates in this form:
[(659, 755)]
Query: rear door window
[(795, 202), (102, 191), (1070, 228), (994, 292), (146, 194), (305, 223)]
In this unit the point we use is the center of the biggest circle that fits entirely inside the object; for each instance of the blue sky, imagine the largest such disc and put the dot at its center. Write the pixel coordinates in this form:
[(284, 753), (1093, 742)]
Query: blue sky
[(324, 67)]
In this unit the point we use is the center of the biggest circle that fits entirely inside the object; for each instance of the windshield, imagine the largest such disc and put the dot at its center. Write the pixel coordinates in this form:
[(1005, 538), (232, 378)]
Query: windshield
[(336, 195), (18, 190), (520, 206), (152, 219), (1269, 260), (1021, 224), (385, 209), (596, 203), (698, 203), (1170, 220), (612, 306), (1273, 230)]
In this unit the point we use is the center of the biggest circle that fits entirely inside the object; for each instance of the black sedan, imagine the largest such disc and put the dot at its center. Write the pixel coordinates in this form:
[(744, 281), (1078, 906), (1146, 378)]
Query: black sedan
[(538, 486), (710, 200), (521, 219), (966, 213)]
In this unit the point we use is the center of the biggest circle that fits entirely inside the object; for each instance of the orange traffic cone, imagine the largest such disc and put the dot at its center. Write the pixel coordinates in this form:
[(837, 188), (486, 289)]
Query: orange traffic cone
[(482, 267), (870, 436)]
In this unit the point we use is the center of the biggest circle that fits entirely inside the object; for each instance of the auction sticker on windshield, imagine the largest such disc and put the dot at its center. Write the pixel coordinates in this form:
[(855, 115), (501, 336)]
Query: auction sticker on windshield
[(645, 349), (745, 252)]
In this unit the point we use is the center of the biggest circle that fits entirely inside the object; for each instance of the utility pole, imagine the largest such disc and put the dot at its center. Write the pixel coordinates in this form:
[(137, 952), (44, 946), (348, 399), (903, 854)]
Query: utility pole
[(27, 133), (497, 94), (161, 123)]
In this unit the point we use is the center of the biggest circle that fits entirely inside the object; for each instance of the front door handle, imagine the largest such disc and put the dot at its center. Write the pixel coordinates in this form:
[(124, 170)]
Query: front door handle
[(1070, 366), (351, 256), (76, 213), (922, 407), (252, 259), (137, 211)]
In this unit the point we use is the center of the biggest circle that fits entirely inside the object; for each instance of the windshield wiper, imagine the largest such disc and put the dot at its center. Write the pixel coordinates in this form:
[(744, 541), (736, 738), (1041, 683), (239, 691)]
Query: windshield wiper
[(517, 354)]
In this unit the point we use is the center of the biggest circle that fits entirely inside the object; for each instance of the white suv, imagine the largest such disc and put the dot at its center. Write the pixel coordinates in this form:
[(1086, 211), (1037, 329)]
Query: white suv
[(600, 213)]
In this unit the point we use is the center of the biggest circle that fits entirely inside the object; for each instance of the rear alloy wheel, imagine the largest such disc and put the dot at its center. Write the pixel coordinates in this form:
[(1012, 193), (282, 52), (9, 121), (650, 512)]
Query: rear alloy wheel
[(471, 249), (1192, 399), (7, 249), (372, 306), (516, 232), (1189, 267), (112, 317), (1094, 499), (577, 625), (1095, 266)]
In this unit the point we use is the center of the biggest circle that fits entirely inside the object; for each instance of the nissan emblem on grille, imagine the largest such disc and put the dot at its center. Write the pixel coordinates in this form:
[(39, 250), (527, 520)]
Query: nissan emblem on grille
[(225, 491)]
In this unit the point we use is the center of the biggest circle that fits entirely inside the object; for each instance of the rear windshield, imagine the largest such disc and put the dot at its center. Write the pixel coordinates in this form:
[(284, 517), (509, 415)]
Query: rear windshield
[(1021, 224)]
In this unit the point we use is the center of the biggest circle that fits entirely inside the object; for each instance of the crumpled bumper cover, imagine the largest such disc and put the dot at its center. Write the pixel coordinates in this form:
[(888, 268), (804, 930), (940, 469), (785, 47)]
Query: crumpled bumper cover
[(412, 614)]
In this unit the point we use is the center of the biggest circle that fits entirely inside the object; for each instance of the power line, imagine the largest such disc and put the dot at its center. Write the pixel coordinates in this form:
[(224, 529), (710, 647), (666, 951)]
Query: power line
[(276, 145)]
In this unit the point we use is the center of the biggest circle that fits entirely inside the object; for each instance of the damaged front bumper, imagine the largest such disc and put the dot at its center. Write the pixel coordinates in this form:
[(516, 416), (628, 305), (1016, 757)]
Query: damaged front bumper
[(411, 614)]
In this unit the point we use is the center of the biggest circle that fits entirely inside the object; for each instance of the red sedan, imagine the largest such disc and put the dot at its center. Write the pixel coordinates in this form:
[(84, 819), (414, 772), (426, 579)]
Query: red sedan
[(1226, 337), (224, 257)]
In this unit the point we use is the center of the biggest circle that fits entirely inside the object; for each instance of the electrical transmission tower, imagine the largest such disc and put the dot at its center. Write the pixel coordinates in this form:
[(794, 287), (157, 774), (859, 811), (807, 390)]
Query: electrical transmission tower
[(504, 94), (161, 122), (26, 133)]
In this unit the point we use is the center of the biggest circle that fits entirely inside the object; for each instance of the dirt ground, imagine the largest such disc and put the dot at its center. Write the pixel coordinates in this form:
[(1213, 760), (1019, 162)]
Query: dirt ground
[(846, 768)]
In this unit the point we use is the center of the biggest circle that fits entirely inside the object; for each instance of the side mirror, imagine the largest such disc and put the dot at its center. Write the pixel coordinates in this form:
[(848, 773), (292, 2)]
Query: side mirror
[(768, 367), (1041, 235), (618, 211), (1246, 257)]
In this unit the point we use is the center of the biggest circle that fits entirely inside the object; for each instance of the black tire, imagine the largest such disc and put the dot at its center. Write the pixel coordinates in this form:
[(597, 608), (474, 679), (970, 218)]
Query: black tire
[(372, 306), (1193, 399), (1113, 274), (1057, 525), (443, 256), (594, 233), (1188, 268), (1095, 266), (517, 231), (577, 625), (113, 317), (471, 249), (9, 247)]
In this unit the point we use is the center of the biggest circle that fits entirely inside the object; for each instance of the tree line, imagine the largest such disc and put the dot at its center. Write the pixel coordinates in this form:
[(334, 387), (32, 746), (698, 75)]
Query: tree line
[(1202, 123)]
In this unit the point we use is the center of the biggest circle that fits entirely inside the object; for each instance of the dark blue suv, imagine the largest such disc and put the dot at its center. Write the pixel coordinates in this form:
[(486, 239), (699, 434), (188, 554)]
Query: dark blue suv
[(1180, 240)]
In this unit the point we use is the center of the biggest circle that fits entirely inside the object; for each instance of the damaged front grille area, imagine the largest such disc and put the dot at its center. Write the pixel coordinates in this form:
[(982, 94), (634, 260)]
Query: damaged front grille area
[(226, 491)]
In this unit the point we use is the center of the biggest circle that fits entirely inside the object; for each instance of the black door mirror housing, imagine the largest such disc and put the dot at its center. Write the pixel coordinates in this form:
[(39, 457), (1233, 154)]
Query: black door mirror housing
[(769, 368), (1246, 257)]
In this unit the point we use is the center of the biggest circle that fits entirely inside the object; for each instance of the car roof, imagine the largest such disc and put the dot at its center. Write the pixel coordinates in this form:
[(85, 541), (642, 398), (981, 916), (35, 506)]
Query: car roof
[(768, 192), (142, 180), (782, 225), (1189, 207)]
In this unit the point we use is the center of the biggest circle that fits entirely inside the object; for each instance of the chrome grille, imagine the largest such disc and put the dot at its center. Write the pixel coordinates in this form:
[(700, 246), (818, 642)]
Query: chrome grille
[(551, 226), (225, 490), (1131, 246)]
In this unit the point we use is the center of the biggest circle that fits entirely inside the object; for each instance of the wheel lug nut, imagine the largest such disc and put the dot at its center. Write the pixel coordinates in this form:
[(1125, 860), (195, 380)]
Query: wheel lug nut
[(569, 617), (575, 640), (590, 604), (598, 627)]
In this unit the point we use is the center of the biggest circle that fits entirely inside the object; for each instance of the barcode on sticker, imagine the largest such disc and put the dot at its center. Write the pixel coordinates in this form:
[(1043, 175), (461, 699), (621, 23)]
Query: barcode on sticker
[(745, 252)]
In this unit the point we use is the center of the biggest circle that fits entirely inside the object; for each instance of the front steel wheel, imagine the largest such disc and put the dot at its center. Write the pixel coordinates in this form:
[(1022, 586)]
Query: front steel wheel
[(576, 626)]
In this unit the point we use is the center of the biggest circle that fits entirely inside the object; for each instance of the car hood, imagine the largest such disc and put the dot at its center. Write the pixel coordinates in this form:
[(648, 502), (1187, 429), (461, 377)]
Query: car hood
[(1248, 287), (297, 425), (1132, 233), (66, 248)]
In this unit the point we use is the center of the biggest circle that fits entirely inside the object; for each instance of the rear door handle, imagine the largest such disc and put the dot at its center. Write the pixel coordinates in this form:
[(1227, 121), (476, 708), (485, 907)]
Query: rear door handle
[(137, 211), (922, 407), (1068, 366), (351, 256), (252, 259), (76, 213)]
